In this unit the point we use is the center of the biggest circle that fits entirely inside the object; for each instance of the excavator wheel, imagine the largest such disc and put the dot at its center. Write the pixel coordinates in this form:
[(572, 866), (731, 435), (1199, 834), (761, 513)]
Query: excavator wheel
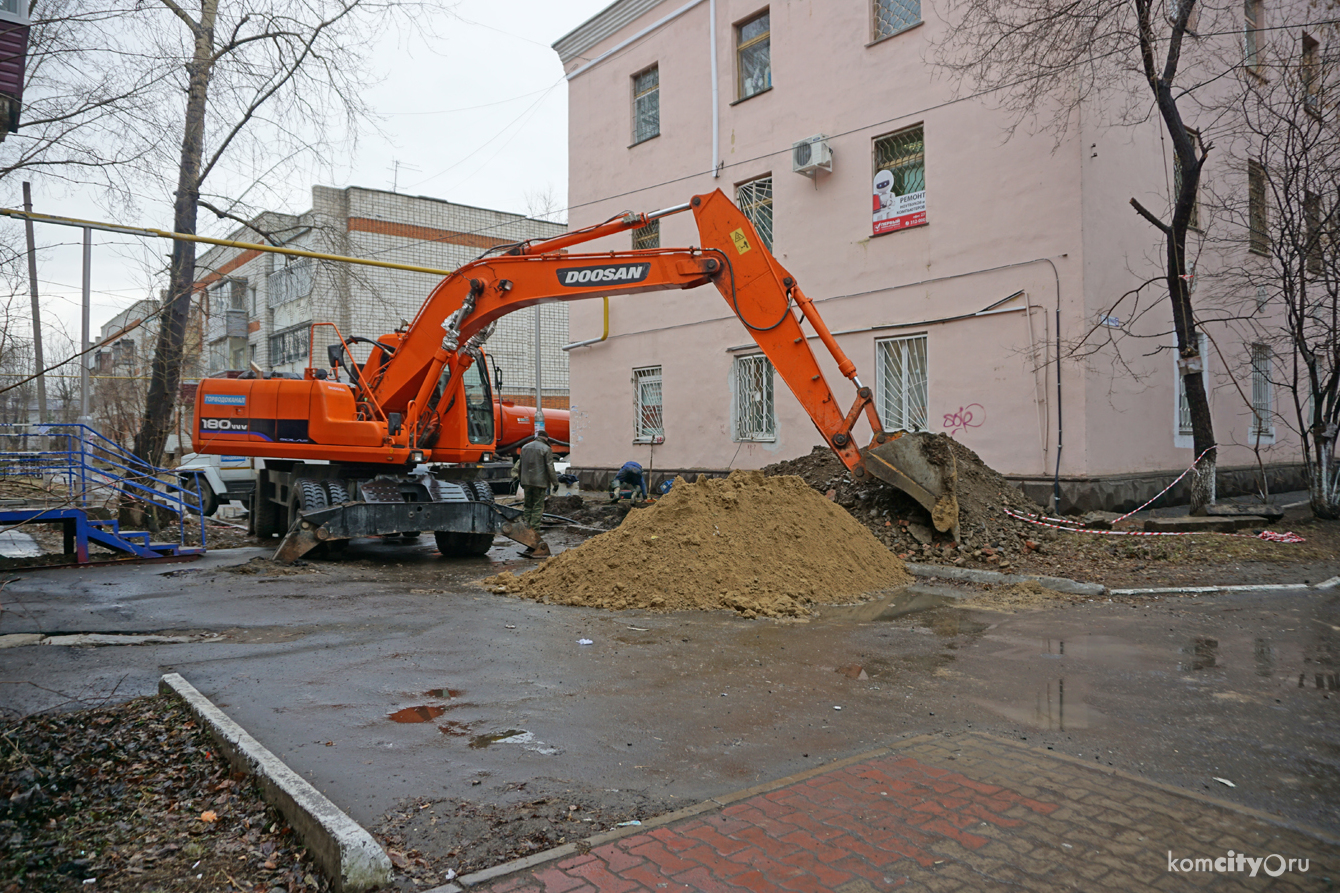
[(336, 492), (483, 492), (462, 545)]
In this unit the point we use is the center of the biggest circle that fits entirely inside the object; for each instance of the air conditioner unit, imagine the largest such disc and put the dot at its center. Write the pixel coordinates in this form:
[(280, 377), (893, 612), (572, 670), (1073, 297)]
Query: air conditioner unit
[(812, 155)]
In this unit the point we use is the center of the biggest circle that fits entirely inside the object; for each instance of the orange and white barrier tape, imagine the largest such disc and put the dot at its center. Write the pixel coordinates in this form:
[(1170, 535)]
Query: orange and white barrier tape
[(1267, 535)]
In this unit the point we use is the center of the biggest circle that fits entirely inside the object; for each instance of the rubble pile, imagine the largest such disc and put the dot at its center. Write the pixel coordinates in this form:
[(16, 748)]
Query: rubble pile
[(760, 545), (989, 536)]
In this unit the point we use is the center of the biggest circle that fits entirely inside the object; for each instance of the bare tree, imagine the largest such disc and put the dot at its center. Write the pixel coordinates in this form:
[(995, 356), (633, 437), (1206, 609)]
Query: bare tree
[(1286, 287), (1045, 61)]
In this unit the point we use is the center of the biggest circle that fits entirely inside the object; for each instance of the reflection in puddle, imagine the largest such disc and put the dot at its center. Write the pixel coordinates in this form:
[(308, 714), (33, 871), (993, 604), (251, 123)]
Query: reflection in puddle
[(486, 740), (1263, 655), (443, 693), (1053, 708), (417, 714), (902, 601), (1323, 681), (456, 729), (1203, 655), (514, 736)]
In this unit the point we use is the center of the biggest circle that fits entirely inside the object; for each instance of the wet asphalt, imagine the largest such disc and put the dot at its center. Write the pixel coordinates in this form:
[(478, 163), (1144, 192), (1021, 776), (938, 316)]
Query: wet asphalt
[(389, 677)]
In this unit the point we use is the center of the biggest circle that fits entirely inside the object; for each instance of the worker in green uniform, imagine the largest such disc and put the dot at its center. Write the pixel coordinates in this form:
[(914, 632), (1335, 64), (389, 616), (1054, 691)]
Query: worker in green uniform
[(536, 474)]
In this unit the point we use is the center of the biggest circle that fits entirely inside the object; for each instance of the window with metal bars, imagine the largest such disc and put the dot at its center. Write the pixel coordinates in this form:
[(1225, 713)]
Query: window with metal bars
[(648, 236), (1310, 74), (1253, 14), (289, 346), (289, 283), (1184, 405), (901, 382), (1262, 395), (892, 16), (755, 200), (1177, 181), (900, 180), (753, 56), (754, 416), (647, 420), (647, 104), (1257, 216)]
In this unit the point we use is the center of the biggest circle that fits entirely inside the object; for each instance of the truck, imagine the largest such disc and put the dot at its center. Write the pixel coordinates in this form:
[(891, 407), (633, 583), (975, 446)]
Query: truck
[(378, 447)]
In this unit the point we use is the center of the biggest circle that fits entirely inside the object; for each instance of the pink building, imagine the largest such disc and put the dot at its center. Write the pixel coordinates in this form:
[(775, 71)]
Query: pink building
[(943, 255)]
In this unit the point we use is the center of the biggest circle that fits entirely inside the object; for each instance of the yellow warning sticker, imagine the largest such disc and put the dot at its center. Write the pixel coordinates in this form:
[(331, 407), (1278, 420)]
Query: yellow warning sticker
[(741, 242)]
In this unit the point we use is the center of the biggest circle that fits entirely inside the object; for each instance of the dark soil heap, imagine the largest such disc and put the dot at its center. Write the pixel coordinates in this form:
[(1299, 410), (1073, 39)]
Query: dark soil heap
[(762, 546), (903, 525)]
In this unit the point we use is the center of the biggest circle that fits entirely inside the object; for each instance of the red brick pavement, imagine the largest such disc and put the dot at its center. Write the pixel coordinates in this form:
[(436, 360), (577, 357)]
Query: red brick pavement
[(997, 816)]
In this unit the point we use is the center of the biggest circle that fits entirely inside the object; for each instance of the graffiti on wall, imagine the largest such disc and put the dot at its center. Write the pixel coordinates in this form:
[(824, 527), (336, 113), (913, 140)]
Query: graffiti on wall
[(970, 416)]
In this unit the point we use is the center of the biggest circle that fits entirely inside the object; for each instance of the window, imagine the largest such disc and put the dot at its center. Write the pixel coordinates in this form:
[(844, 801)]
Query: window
[(1310, 75), (1253, 21), (1257, 218), (1262, 408), (900, 381), (892, 16), (1312, 231), (289, 346), (755, 200), (1177, 180), (900, 180), (289, 283), (1262, 298), (1184, 405), (647, 104), (648, 236), (647, 423), (753, 414), (753, 59)]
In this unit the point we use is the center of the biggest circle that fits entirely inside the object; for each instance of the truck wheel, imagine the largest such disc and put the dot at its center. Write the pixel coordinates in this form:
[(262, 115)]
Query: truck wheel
[(311, 495), (336, 492), (209, 500), (462, 545), (265, 522)]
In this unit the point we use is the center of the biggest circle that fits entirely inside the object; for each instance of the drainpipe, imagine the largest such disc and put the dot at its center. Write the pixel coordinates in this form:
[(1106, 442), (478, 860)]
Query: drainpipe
[(1056, 481), (603, 335), (716, 89)]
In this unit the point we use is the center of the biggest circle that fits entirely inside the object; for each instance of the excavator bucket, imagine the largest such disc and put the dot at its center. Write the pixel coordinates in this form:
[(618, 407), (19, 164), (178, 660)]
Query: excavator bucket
[(922, 466)]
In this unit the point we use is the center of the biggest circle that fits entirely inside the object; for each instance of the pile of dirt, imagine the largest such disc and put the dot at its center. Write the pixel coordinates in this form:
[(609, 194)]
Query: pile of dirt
[(762, 546), (989, 536)]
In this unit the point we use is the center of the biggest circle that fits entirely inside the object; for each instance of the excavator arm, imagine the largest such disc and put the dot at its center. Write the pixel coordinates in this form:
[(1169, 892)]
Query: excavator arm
[(417, 379)]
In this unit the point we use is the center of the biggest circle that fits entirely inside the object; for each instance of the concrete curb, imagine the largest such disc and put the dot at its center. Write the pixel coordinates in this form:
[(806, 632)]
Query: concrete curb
[(1332, 583), (971, 575), (345, 852)]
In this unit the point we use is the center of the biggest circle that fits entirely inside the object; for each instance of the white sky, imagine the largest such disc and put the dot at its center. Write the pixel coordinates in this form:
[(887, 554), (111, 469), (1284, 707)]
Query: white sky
[(479, 117)]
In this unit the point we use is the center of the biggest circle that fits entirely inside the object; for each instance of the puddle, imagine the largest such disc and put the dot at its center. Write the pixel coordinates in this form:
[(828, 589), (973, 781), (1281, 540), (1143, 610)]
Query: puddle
[(425, 713), (1052, 708), (456, 729), (514, 736), (1202, 655), (444, 693), (109, 639), (908, 600)]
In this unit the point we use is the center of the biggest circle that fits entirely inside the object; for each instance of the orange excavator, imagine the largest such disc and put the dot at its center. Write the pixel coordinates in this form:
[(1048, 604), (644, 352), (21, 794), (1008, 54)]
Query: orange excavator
[(369, 448)]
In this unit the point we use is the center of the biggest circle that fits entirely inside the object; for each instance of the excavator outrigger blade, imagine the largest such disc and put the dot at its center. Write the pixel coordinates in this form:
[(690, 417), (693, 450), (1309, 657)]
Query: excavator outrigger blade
[(922, 466)]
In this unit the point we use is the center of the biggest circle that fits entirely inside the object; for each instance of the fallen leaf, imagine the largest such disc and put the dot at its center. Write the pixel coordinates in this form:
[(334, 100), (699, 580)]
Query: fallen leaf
[(208, 816)]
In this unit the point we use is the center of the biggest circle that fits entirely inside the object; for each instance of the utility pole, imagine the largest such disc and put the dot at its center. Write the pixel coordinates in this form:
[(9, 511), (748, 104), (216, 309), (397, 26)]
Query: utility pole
[(84, 335), (38, 362)]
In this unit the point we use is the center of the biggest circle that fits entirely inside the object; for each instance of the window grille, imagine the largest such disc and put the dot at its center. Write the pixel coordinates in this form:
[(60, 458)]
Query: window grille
[(1184, 405), (648, 236), (1262, 297), (755, 416), (903, 154), (753, 56), (900, 368), (1262, 404), (289, 283), (1257, 218), (755, 200), (648, 424), (892, 16), (289, 346), (647, 104)]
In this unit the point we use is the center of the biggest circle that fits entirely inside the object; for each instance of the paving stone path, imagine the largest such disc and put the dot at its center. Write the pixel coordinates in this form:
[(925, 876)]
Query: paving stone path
[(965, 812)]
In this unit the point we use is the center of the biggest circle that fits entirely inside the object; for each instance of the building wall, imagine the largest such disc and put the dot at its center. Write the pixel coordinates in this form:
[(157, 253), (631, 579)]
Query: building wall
[(1041, 218)]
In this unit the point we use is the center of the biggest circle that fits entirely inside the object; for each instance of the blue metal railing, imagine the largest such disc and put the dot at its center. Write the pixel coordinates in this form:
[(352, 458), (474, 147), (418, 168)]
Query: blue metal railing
[(95, 471)]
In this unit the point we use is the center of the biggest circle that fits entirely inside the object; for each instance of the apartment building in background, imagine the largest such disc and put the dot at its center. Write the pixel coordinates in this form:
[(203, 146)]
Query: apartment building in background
[(261, 308), (953, 264)]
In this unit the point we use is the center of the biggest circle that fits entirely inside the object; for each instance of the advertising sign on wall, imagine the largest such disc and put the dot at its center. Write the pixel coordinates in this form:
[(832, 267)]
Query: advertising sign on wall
[(893, 212)]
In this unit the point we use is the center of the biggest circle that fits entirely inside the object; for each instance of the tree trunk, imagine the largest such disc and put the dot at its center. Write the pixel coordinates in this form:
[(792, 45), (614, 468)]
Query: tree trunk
[(165, 374)]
